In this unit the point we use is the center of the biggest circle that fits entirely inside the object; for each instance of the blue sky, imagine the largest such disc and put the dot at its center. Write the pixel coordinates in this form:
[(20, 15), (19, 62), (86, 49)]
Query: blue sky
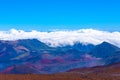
[(59, 14)]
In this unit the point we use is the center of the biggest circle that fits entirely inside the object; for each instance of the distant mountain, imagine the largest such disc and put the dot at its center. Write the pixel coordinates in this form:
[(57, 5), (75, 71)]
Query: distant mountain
[(13, 50), (78, 46), (37, 57), (104, 50), (33, 44)]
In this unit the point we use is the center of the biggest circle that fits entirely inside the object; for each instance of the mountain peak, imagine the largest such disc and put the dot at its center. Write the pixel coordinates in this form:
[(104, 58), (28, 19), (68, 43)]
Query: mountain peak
[(104, 50), (106, 43)]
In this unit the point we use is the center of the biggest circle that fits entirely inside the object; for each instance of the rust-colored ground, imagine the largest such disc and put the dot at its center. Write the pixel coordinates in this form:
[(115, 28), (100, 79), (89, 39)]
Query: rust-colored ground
[(65, 76)]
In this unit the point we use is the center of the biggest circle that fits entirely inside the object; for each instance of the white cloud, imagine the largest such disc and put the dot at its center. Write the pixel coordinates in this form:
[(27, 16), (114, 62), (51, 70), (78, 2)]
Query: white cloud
[(57, 38)]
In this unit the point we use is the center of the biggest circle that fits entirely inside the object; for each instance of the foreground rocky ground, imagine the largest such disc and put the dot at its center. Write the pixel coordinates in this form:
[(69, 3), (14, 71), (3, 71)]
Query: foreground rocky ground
[(66, 76), (96, 73)]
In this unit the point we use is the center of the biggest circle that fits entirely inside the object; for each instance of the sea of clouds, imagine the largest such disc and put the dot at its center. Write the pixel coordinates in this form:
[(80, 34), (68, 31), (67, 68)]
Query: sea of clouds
[(65, 37)]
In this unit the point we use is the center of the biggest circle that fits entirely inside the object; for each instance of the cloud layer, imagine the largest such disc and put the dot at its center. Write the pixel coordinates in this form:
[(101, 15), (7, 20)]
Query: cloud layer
[(57, 38)]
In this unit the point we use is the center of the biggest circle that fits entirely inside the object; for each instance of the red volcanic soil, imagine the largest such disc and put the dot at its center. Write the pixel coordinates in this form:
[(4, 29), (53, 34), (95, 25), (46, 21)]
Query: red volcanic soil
[(96, 73)]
